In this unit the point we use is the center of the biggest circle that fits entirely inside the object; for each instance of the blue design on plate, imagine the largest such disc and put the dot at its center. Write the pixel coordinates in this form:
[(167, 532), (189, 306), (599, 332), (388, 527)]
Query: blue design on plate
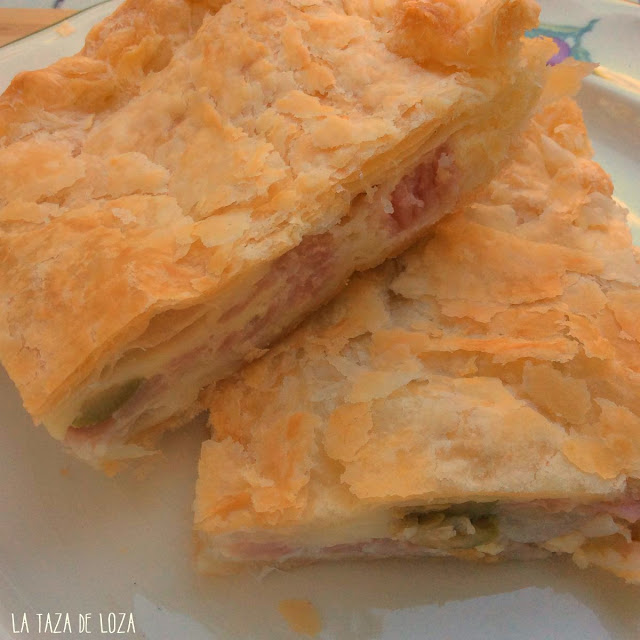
[(568, 39)]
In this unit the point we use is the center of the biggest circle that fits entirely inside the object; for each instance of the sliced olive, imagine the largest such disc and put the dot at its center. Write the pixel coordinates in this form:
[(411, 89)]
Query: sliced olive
[(102, 406)]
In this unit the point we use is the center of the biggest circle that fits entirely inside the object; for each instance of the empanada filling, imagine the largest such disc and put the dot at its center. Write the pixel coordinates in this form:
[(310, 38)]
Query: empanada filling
[(133, 398), (462, 526), (481, 530)]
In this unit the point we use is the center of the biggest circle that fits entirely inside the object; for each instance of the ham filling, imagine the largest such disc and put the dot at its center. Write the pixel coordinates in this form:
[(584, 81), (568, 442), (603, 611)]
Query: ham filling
[(525, 530), (295, 284), (421, 191)]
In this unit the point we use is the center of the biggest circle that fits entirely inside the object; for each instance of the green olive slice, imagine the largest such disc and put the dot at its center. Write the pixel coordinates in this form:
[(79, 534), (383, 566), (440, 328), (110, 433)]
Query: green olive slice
[(103, 405)]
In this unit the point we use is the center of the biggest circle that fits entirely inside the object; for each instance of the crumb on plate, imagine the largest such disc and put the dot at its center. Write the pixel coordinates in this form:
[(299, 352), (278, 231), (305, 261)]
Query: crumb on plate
[(65, 29), (301, 616)]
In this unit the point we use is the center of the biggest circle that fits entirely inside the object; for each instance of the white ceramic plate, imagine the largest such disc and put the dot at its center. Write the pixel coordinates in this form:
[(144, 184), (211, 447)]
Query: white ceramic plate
[(74, 542)]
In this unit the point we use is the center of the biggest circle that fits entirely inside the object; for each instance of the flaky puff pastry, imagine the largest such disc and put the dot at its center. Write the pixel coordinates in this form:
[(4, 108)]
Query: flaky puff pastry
[(497, 362), (150, 185)]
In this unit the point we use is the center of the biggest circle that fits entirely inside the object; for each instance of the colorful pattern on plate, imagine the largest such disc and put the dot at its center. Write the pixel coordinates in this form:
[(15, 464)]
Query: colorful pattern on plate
[(568, 39)]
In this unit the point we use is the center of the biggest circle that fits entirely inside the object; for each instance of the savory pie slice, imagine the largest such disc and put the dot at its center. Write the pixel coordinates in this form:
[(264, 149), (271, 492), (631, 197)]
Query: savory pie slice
[(477, 397), (202, 175)]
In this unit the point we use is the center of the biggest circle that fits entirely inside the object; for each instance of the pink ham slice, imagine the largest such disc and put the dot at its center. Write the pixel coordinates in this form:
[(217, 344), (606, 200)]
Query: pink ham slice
[(303, 270), (419, 193)]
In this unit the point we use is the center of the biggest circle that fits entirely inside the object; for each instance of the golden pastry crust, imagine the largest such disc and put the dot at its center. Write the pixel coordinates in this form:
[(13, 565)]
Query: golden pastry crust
[(498, 360), (188, 143), (464, 34)]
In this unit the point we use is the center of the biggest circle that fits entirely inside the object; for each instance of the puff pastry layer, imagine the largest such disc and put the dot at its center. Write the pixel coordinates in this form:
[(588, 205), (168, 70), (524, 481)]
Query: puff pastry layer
[(478, 396), (202, 175)]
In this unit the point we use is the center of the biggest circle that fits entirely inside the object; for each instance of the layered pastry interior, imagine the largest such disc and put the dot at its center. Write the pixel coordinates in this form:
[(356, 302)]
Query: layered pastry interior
[(477, 397), (199, 178), (601, 533)]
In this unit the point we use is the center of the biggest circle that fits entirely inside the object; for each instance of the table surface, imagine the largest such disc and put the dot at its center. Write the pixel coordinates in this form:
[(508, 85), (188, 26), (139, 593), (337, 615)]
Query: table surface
[(17, 23)]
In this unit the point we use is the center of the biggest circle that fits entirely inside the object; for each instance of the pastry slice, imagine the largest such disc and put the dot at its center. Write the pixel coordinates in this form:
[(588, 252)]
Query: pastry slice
[(477, 397), (203, 175)]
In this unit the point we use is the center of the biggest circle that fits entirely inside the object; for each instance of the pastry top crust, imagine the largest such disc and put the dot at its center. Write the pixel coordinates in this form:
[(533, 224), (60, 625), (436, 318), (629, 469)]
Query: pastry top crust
[(500, 359), (188, 141)]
